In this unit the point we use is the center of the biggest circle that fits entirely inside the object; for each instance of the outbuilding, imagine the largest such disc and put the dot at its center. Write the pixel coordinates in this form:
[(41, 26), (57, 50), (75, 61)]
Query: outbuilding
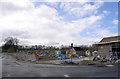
[(109, 46)]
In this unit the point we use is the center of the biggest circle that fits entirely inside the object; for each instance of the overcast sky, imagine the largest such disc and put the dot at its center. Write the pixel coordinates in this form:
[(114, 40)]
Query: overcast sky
[(56, 23)]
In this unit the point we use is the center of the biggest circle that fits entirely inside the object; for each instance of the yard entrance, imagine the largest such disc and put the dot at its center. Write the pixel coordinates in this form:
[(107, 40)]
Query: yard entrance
[(116, 51)]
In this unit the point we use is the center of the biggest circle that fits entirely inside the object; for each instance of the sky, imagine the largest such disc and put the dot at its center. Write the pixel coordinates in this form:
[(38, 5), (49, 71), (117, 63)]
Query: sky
[(57, 23)]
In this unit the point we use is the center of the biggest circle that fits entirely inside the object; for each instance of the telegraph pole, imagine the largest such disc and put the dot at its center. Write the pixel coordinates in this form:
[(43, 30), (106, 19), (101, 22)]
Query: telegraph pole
[(71, 51), (17, 54)]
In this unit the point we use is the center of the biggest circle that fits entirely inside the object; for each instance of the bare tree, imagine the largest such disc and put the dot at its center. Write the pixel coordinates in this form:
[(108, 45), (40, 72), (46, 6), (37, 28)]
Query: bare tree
[(10, 44), (11, 41)]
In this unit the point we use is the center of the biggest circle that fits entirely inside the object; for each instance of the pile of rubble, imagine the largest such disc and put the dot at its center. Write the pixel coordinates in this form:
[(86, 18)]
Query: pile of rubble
[(25, 57), (105, 59)]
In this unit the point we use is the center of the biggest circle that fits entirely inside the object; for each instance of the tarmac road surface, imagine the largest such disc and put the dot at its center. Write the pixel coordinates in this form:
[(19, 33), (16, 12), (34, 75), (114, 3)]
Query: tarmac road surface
[(11, 68), (0, 65)]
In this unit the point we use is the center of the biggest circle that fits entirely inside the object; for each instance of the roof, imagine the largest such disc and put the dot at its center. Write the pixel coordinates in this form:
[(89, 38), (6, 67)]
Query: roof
[(110, 39), (78, 49)]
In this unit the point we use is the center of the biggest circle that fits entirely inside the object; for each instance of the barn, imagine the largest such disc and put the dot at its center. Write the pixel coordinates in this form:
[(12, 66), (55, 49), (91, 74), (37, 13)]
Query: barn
[(109, 45)]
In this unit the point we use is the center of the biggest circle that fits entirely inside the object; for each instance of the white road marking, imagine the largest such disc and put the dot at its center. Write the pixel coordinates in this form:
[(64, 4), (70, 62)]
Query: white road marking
[(110, 65), (17, 65), (66, 75)]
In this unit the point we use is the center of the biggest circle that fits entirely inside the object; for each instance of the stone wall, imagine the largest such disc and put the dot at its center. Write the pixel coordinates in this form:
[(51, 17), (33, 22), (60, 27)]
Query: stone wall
[(104, 49), (81, 53)]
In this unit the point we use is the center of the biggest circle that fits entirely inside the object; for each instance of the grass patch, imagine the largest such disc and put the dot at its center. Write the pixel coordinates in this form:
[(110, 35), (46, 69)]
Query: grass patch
[(90, 62), (45, 59)]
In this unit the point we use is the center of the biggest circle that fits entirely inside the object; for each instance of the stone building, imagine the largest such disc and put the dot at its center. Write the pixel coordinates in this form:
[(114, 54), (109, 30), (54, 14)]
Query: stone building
[(79, 51), (109, 46)]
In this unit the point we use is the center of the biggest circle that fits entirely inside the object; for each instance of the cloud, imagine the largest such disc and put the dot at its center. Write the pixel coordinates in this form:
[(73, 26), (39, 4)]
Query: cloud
[(44, 25), (88, 33), (52, 44), (116, 13), (106, 12), (53, 4), (15, 33), (11, 6), (81, 9), (115, 21), (104, 33)]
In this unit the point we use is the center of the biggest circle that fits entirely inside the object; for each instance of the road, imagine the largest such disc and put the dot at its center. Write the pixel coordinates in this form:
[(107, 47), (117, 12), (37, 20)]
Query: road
[(12, 69), (0, 64)]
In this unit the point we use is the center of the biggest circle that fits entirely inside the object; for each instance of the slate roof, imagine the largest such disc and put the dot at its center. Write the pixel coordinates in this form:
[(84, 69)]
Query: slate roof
[(110, 39), (78, 49)]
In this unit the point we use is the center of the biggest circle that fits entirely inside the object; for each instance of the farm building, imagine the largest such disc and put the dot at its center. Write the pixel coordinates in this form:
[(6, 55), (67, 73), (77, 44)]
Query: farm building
[(79, 51), (108, 45)]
